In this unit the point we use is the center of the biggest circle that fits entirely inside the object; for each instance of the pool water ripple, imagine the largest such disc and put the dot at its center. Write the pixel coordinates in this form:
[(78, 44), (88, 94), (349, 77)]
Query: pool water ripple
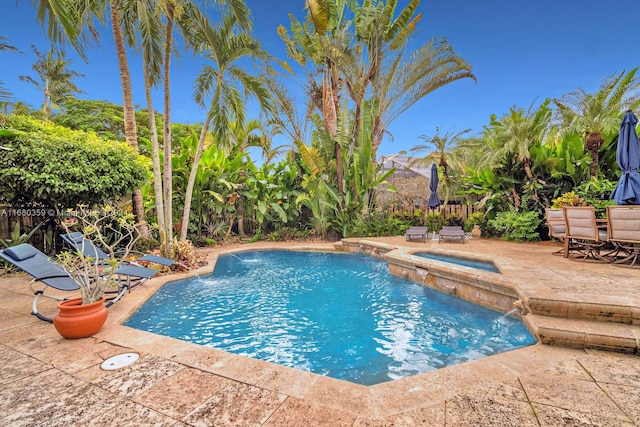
[(341, 315)]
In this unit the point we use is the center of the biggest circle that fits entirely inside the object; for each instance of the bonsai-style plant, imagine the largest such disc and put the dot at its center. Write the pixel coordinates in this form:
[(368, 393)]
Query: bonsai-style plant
[(111, 229)]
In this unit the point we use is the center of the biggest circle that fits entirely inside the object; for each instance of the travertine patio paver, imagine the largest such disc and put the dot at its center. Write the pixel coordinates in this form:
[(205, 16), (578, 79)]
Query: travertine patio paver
[(48, 381)]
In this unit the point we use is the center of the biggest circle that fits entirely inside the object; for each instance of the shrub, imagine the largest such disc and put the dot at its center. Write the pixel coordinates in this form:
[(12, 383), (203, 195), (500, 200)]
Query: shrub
[(435, 222), (517, 226), (412, 218), (476, 218), (183, 252), (596, 192), (455, 220), (380, 225), (146, 244), (288, 234), (52, 166), (568, 199)]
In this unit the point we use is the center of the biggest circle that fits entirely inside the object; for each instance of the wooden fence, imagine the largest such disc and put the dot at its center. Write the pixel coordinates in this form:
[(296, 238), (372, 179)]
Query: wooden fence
[(45, 236), (26, 220), (460, 210)]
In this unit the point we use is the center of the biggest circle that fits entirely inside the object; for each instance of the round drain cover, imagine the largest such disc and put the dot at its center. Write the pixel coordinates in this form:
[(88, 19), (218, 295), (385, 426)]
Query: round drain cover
[(119, 361)]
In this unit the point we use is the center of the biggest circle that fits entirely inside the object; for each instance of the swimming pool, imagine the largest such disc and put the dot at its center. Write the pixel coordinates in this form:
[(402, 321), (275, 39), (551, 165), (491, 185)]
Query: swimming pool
[(340, 315), (467, 262)]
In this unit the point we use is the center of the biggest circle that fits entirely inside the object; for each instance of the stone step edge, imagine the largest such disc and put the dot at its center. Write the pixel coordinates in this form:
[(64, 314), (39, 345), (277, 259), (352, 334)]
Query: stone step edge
[(578, 333), (584, 310)]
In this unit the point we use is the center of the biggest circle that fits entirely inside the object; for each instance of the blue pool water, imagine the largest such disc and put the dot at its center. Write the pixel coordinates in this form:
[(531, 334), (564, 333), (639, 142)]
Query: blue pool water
[(340, 315), (467, 262)]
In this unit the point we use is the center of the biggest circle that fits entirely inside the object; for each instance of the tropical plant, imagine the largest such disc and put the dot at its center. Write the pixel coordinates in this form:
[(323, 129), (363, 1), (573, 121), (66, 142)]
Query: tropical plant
[(442, 149), (379, 224), (16, 237), (434, 221), (513, 137), (476, 218), (73, 19), (595, 192), (596, 117), (5, 95), (568, 199), (55, 79), (222, 84)]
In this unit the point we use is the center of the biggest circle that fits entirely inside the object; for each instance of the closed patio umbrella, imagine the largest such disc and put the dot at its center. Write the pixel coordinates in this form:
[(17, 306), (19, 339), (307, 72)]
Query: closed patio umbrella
[(627, 191), (434, 200)]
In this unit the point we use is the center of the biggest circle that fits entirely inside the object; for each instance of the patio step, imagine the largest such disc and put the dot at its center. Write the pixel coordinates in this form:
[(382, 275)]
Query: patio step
[(582, 333)]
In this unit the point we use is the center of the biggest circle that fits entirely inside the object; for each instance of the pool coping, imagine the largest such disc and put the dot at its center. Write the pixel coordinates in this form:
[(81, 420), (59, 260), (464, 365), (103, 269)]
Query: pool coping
[(338, 394), (551, 381), (377, 401)]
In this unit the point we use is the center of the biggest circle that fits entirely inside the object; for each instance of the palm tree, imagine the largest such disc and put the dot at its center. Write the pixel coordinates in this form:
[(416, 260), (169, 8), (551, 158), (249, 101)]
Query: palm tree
[(55, 80), (406, 78), (323, 40), (443, 150), (72, 18), (183, 12), (5, 95), (379, 31), (517, 131), (513, 137), (222, 84), (596, 116)]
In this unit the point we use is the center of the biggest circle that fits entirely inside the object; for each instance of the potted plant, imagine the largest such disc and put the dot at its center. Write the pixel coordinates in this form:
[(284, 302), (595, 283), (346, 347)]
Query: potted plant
[(85, 316)]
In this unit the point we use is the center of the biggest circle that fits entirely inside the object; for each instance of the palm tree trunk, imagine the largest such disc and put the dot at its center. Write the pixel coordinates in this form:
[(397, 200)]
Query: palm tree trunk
[(155, 157), (129, 115), (330, 116), (192, 179), (168, 170)]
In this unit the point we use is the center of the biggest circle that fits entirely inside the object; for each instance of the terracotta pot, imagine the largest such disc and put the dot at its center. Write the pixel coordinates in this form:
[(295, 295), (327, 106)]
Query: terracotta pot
[(77, 320)]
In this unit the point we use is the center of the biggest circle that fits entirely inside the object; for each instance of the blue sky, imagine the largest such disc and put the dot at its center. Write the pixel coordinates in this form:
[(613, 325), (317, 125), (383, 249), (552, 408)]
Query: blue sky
[(520, 51)]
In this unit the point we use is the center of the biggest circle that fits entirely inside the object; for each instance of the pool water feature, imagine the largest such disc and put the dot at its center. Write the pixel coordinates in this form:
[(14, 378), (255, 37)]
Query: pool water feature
[(334, 314), (467, 262)]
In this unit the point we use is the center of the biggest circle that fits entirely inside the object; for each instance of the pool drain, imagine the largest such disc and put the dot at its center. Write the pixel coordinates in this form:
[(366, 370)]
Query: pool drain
[(119, 361)]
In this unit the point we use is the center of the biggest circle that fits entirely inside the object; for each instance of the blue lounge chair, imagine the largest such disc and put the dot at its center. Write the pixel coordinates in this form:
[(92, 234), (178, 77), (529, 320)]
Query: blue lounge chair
[(81, 243), (43, 270)]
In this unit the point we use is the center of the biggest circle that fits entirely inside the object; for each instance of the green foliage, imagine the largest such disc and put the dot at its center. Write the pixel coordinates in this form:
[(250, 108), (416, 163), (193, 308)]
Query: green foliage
[(50, 165), (568, 199), (415, 217), (289, 234), (476, 218), (106, 119), (379, 224), (435, 222), (595, 192), (455, 220), (146, 245), (16, 237), (517, 226)]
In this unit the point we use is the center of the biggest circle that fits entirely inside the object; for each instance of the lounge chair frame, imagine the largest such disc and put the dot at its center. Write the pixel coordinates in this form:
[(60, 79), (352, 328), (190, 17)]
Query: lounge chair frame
[(623, 229), (451, 232), (417, 232), (556, 226), (50, 275), (78, 241), (583, 234)]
